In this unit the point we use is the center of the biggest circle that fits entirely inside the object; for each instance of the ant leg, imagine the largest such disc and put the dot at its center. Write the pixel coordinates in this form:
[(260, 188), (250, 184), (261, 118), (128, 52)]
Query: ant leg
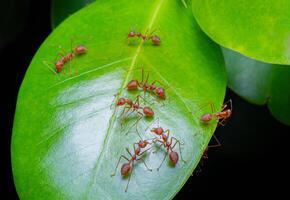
[(115, 96), (48, 66), (215, 145), (225, 105), (168, 132), (163, 160), (223, 122), (179, 143), (122, 156), (136, 123), (157, 119), (162, 144), (129, 152), (137, 131), (149, 169), (150, 34), (126, 189)]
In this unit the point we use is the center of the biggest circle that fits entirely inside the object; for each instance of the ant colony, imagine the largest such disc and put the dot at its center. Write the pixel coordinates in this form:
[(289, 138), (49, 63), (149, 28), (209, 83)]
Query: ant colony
[(142, 109)]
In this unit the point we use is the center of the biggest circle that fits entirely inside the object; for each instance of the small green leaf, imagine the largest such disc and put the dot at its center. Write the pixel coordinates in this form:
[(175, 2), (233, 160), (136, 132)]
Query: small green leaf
[(258, 29), (260, 83), (67, 140)]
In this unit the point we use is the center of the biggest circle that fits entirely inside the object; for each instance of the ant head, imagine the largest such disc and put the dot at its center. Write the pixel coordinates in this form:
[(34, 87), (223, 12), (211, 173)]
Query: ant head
[(148, 112), (58, 66), (143, 143), (131, 34), (121, 101), (125, 169), (133, 85), (206, 117), (160, 92), (155, 40), (158, 131), (80, 49), (174, 157)]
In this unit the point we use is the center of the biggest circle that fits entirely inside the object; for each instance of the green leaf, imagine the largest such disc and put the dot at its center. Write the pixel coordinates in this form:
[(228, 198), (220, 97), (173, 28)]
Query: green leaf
[(260, 83), (258, 29), (67, 140), (62, 9)]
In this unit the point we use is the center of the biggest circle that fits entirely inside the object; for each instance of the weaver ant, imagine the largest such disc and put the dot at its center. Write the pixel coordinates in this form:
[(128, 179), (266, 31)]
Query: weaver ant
[(151, 88), (168, 144), (222, 116), (77, 50), (127, 168), (205, 153), (154, 38), (134, 106)]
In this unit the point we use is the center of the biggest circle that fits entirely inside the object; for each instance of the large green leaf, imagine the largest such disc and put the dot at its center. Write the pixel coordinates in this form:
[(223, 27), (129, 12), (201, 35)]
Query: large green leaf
[(260, 83), (67, 140), (258, 29)]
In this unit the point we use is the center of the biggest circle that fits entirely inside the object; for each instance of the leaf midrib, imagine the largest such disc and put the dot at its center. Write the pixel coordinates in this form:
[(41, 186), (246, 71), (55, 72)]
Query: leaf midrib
[(113, 117)]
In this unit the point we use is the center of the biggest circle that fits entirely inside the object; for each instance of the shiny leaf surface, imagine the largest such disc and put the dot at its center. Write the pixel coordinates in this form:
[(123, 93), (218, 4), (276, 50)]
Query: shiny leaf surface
[(67, 139)]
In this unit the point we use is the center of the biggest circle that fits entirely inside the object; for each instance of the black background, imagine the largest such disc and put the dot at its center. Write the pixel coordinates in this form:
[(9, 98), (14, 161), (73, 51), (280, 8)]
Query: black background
[(254, 153)]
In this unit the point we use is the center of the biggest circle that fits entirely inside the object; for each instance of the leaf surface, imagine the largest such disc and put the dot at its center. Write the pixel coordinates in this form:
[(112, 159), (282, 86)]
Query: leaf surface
[(257, 29), (67, 140), (260, 83)]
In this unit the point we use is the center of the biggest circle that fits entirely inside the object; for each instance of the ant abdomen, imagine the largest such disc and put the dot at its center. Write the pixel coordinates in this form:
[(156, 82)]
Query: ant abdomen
[(155, 40), (125, 169), (174, 157), (206, 117), (80, 49), (148, 112)]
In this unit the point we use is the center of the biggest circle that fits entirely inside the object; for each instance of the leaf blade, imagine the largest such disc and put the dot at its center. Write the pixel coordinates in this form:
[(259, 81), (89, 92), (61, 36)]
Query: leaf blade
[(79, 139)]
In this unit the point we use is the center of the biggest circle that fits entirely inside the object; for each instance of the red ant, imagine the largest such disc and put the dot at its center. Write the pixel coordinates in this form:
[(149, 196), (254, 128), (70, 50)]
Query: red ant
[(154, 38), (78, 50), (152, 88), (127, 168), (222, 116), (168, 144), (134, 106)]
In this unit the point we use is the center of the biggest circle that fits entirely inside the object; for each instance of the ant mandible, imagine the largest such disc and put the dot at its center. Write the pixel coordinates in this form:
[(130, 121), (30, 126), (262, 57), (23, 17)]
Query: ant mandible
[(168, 144), (222, 116), (127, 168), (151, 88)]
